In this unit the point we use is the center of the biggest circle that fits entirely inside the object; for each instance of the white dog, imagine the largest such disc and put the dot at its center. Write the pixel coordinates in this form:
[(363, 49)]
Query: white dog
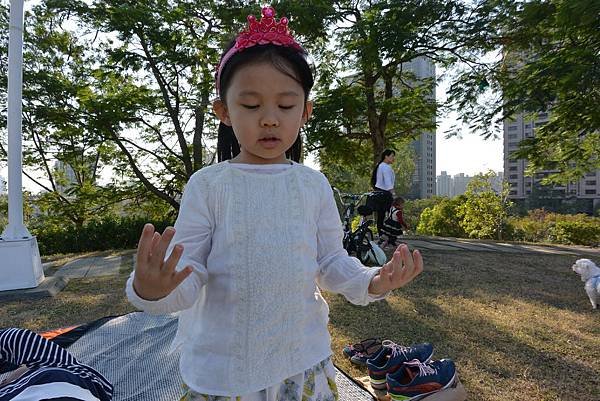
[(590, 275)]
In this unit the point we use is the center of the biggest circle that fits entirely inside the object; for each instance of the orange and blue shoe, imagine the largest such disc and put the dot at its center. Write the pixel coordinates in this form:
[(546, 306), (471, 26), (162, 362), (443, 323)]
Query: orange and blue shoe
[(391, 358), (416, 380)]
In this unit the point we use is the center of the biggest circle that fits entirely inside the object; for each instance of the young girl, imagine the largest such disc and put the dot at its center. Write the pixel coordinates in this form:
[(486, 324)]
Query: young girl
[(393, 225), (254, 237)]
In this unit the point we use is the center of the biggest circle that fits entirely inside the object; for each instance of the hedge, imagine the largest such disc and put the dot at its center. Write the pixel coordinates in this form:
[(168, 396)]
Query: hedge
[(112, 233)]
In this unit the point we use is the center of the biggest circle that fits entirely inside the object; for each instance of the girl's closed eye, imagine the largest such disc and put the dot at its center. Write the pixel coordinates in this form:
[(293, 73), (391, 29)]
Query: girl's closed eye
[(286, 107), (250, 106)]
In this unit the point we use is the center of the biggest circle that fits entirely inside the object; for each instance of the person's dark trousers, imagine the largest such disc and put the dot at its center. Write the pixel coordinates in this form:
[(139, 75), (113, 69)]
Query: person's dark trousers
[(383, 202)]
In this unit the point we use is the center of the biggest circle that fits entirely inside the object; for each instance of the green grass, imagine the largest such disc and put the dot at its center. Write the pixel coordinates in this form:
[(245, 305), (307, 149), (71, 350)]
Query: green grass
[(519, 327)]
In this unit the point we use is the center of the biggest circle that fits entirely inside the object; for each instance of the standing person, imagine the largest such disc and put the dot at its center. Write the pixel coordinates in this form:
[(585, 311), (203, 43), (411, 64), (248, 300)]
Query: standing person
[(256, 237), (383, 180)]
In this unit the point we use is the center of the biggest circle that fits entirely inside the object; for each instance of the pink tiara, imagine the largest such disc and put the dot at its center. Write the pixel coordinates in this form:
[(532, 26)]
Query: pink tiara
[(266, 31)]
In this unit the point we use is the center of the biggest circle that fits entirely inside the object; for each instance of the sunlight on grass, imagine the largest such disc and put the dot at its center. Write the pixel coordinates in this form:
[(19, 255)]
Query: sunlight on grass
[(519, 327)]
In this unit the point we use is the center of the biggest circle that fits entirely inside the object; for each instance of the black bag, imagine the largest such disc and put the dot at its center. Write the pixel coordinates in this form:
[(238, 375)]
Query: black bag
[(379, 200)]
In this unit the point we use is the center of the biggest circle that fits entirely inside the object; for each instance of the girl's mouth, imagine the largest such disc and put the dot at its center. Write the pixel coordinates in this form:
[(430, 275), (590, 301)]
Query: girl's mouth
[(269, 142)]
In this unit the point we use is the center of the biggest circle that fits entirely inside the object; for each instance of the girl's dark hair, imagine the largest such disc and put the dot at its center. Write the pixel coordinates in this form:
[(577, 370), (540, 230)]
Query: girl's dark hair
[(384, 154), (398, 200), (289, 61)]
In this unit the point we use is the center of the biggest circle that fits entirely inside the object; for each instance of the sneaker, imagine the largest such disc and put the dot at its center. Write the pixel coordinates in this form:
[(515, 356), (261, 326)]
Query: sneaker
[(416, 380), (390, 359), (370, 344)]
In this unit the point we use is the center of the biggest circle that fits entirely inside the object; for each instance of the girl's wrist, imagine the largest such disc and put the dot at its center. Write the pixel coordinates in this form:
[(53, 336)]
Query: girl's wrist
[(375, 286), (142, 294)]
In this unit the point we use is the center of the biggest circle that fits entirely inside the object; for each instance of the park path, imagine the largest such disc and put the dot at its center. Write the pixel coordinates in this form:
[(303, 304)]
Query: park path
[(96, 266), (460, 244)]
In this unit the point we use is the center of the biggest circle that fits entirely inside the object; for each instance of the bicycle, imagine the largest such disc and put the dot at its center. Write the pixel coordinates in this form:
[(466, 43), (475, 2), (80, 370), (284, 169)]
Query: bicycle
[(360, 241)]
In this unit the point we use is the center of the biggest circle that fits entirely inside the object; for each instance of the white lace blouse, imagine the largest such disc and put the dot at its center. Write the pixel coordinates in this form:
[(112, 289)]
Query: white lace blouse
[(259, 242)]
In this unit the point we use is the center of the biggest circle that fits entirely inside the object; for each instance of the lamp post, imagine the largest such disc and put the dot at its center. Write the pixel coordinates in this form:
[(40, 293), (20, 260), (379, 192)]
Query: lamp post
[(20, 264)]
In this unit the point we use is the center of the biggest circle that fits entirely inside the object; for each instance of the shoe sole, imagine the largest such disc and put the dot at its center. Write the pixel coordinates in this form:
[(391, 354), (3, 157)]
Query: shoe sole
[(422, 396), (358, 363)]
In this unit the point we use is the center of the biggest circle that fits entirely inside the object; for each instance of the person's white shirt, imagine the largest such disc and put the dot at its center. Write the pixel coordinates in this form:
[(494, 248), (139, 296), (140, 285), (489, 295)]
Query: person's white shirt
[(385, 177), (251, 314)]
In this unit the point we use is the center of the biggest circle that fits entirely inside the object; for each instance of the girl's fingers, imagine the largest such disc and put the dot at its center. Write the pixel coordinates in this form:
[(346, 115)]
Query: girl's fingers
[(171, 263), (181, 275), (418, 261), (155, 240), (407, 258), (145, 243), (163, 244)]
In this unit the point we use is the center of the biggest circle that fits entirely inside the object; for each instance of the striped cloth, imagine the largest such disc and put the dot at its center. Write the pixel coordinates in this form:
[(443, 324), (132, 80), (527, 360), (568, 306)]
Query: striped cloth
[(53, 373)]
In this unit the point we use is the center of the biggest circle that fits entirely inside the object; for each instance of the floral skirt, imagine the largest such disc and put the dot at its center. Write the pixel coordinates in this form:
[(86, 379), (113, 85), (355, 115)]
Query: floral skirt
[(315, 384)]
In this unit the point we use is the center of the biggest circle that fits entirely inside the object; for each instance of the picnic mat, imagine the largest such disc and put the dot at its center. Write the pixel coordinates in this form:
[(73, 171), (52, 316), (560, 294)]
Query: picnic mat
[(131, 351)]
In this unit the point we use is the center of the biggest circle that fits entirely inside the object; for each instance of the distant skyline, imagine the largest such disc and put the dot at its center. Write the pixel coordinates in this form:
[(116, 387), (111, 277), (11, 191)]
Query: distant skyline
[(470, 154)]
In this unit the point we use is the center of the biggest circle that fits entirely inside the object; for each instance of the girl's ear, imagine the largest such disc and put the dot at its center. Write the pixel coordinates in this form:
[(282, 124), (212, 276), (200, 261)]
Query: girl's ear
[(308, 108), (220, 109)]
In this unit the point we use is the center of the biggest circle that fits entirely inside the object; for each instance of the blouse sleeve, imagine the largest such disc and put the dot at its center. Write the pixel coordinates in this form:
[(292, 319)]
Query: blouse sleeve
[(193, 230), (339, 272)]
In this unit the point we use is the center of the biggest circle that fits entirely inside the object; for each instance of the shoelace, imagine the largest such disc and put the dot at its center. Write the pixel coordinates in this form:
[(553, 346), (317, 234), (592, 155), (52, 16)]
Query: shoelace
[(424, 369), (398, 350)]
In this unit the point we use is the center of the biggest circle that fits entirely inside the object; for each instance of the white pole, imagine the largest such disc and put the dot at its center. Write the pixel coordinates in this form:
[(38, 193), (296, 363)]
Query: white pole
[(15, 228), (20, 264)]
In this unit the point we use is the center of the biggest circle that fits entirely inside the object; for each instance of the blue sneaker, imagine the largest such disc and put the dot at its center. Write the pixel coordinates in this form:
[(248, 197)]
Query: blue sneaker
[(390, 359), (416, 380)]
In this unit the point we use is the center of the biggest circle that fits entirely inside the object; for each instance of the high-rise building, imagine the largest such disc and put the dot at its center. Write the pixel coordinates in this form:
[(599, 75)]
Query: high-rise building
[(444, 185), (460, 181), (498, 181), (423, 182), (525, 188), (453, 186)]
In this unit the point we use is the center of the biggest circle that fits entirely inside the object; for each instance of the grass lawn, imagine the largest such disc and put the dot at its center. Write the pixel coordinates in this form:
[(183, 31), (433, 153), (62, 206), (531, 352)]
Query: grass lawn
[(519, 327)]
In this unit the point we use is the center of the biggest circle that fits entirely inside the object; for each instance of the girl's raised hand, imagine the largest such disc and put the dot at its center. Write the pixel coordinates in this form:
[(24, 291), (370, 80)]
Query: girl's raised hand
[(398, 272), (156, 277)]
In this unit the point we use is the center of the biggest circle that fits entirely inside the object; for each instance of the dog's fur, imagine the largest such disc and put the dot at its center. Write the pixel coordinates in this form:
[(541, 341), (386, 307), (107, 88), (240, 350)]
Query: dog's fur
[(590, 275)]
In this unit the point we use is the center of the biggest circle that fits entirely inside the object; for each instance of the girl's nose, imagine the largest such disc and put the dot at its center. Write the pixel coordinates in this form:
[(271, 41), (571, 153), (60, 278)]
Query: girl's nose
[(269, 120)]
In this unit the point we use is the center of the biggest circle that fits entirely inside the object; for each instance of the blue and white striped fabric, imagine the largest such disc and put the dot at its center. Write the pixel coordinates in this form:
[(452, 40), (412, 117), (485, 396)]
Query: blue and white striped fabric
[(53, 373)]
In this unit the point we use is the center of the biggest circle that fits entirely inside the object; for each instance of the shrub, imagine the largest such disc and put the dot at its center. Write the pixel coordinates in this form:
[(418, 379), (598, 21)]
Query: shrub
[(109, 233), (577, 232), (443, 219), (541, 226), (413, 209), (483, 215)]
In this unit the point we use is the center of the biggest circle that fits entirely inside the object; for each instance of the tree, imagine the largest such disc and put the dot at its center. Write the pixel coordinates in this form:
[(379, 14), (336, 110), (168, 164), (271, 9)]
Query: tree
[(351, 169), (126, 85), (155, 81), (366, 94), (548, 61), (484, 212), (56, 130)]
